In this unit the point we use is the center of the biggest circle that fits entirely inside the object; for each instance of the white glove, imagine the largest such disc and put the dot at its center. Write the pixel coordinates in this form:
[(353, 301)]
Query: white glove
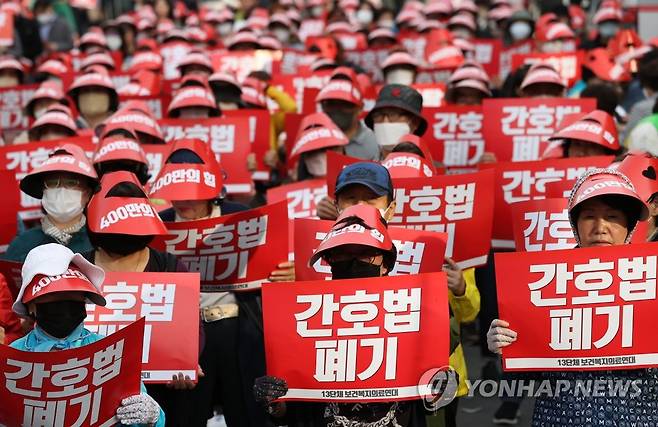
[(138, 409), (499, 336)]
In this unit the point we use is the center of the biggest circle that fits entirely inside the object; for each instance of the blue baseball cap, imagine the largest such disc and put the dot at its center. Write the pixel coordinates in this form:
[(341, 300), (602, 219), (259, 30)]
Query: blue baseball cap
[(372, 175)]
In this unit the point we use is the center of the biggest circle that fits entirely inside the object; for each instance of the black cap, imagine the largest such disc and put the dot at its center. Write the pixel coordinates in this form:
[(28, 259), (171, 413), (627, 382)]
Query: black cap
[(403, 97)]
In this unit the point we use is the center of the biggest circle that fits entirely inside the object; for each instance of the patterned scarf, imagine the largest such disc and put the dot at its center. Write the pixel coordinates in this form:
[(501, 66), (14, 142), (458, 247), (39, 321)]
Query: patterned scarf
[(61, 235)]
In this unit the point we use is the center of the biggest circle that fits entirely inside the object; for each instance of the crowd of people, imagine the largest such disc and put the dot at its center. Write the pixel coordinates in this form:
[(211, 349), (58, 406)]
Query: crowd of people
[(94, 68)]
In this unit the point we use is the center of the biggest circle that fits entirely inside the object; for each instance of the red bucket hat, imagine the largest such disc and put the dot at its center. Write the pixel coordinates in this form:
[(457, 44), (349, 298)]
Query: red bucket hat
[(192, 97), (189, 181), (67, 158), (358, 225), (604, 182), (597, 127), (146, 61), (407, 165), (48, 90), (317, 138), (133, 120), (118, 147), (253, 92), (195, 58), (641, 169), (422, 145), (54, 67), (100, 58), (340, 90), (53, 117), (52, 268), (399, 58), (542, 73), (122, 215), (93, 38)]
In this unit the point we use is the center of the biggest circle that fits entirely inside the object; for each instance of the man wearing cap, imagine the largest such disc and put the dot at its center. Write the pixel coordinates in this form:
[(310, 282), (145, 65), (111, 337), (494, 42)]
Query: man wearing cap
[(56, 285), (341, 100), (397, 112), (370, 184)]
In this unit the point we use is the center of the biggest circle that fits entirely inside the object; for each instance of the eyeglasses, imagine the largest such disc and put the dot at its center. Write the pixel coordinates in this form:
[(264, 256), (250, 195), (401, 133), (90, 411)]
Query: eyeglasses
[(62, 182), (393, 115)]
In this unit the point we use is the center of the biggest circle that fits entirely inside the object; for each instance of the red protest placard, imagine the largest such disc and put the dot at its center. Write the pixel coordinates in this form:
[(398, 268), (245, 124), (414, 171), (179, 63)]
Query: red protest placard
[(507, 54), (518, 128), (455, 134), (418, 251), (459, 205), (259, 136), (82, 386), (12, 102), (356, 340), (6, 28), (542, 225), (240, 64), (12, 272), (169, 304), (487, 53), (302, 197), (521, 181), (173, 53), (229, 140), (579, 309), (10, 207), (335, 163), (432, 93), (293, 61), (234, 252), (566, 63)]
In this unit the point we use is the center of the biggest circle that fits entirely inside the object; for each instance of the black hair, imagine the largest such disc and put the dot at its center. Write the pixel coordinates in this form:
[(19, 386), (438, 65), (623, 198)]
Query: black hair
[(631, 211), (648, 70), (606, 94), (140, 170), (126, 189), (408, 147), (511, 86), (184, 155)]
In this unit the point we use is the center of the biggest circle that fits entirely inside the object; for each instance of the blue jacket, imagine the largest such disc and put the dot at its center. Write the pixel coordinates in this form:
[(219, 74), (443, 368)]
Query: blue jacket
[(38, 341)]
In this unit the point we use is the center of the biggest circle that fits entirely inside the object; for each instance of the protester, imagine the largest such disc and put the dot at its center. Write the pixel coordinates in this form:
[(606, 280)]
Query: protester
[(95, 98), (59, 311), (600, 216), (64, 183)]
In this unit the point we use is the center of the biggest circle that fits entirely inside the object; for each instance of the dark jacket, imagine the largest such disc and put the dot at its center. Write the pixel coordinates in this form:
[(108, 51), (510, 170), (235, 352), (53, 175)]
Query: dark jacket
[(30, 239)]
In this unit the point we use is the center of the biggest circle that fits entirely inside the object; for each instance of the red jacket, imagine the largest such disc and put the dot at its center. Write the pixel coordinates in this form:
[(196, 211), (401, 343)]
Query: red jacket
[(8, 319)]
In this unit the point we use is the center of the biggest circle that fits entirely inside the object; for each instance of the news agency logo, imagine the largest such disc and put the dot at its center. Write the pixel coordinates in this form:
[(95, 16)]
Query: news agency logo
[(438, 387)]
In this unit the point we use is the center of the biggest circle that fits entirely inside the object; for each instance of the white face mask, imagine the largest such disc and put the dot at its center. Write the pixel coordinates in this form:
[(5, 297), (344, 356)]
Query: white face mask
[(114, 41), (608, 29), (46, 18), (63, 204), (388, 134), (316, 163), (385, 23), (225, 106), (400, 76), (520, 30), (364, 16), (224, 29), (281, 35), (317, 11)]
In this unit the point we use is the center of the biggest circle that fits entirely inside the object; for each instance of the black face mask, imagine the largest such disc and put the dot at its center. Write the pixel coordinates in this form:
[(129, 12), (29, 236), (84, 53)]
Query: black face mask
[(60, 318), (119, 244), (342, 119), (354, 269)]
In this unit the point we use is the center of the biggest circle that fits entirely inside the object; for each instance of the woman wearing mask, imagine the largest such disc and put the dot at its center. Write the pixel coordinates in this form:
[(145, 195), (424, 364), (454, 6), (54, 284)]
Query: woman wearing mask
[(193, 103), (400, 67), (55, 123), (397, 112), (350, 256), (59, 311), (49, 93), (95, 98), (233, 355), (120, 244), (312, 145), (64, 183), (342, 102), (600, 215), (519, 28)]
